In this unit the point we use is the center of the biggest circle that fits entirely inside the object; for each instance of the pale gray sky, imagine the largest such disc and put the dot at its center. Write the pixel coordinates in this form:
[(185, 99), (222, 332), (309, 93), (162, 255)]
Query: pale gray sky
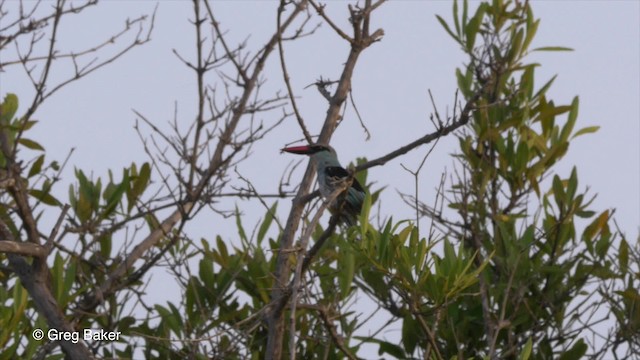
[(390, 88)]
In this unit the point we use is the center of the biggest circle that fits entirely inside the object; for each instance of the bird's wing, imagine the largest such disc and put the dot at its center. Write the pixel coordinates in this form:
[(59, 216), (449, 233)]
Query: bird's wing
[(341, 173)]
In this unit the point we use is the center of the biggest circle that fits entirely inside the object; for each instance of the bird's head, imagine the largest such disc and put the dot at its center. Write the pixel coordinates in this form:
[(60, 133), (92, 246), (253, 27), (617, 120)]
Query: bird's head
[(322, 154)]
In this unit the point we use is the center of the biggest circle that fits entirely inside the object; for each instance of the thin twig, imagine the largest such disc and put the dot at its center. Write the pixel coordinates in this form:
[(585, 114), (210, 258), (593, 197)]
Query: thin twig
[(54, 232), (285, 75)]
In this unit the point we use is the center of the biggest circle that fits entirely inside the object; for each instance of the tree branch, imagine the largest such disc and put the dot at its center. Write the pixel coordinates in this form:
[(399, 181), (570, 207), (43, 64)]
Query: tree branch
[(37, 284), (445, 130), (282, 272), (22, 248)]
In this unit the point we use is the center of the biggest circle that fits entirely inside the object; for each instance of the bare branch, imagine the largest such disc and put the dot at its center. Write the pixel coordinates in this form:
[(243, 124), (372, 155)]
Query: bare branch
[(282, 272), (285, 75), (456, 124), (34, 279), (320, 10)]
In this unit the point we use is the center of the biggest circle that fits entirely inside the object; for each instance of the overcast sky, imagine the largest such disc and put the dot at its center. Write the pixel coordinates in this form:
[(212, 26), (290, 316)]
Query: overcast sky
[(390, 85)]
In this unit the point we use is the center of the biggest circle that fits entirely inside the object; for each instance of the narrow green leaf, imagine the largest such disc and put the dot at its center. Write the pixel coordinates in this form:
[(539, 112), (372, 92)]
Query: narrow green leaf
[(465, 13), (462, 83), (446, 27), (28, 124), (576, 352), (347, 270), (57, 272), (169, 319), (106, 243), (527, 80), (391, 349), (364, 214), (526, 351), (222, 250), (241, 232), (266, 223), (571, 120), (410, 333), (456, 20), (586, 130), (8, 108), (31, 144), (629, 294), (138, 185), (36, 167), (472, 30), (516, 45), (114, 199), (623, 255), (552, 48), (531, 33), (45, 197), (545, 87), (19, 305), (206, 272), (585, 214)]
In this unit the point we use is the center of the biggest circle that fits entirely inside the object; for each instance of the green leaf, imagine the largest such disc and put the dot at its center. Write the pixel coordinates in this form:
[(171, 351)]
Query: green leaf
[(26, 125), (410, 333), (168, 319), (364, 214), (516, 45), (576, 352), (8, 108), (222, 250), (446, 27), (241, 232), (629, 294), (553, 48), (347, 270), (596, 226), (115, 197), (139, 184), (125, 323), (106, 244), (585, 214), (558, 189), (531, 33), (36, 167), (572, 184), (391, 349), (45, 197), (31, 144), (526, 351), (20, 297), (545, 87), (456, 21), (58, 278), (463, 83), (206, 272), (471, 29), (586, 130), (266, 223), (623, 255), (527, 80)]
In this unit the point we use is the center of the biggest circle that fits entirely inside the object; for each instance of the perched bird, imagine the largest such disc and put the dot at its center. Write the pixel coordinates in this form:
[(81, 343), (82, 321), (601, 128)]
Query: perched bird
[(330, 176)]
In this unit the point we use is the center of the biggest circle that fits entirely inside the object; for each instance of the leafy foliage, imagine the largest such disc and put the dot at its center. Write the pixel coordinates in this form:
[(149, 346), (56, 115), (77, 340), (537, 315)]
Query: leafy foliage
[(510, 273)]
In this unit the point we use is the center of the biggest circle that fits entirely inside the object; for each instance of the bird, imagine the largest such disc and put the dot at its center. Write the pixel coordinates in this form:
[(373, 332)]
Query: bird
[(330, 176)]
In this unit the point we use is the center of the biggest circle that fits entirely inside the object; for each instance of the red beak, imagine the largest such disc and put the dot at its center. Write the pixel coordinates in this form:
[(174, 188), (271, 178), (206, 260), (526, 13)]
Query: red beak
[(302, 150)]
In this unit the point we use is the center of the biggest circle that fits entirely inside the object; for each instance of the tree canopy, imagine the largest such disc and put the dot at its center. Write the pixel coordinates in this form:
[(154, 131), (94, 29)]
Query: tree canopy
[(516, 263)]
